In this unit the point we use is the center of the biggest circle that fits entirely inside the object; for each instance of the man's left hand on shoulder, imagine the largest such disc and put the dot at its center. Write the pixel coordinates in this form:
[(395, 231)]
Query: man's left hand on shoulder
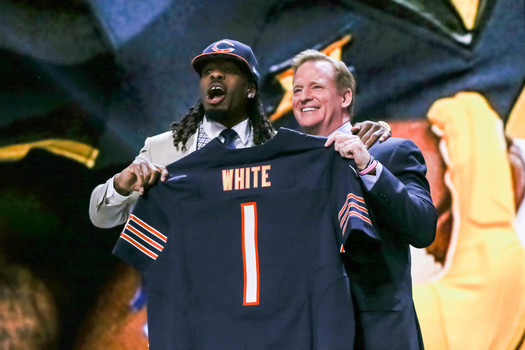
[(369, 132)]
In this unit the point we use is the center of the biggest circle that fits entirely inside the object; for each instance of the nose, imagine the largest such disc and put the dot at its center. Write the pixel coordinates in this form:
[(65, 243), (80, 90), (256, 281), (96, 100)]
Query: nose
[(304, 95), (217, 73)]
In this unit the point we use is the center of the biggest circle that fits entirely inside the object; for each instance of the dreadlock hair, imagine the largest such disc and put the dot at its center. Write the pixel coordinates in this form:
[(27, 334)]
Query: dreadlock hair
[(262, 128), (187, 126)]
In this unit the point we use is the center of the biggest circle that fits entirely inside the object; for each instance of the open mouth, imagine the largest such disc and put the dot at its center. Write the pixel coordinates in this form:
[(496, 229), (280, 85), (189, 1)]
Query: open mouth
[(216, 93)]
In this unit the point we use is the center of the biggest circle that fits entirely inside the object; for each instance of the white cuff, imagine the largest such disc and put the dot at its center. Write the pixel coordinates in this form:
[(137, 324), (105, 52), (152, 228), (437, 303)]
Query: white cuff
[(112, 196)]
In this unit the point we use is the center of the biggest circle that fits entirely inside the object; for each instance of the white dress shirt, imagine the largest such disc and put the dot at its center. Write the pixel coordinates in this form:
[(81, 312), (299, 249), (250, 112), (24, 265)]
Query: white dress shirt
[(243, 129)]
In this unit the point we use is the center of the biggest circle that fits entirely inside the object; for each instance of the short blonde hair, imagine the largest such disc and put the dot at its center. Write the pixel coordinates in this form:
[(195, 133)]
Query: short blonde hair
[(343, 78)]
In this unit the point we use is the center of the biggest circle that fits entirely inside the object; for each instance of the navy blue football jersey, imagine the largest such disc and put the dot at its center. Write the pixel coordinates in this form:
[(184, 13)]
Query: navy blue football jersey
[(240, 249)]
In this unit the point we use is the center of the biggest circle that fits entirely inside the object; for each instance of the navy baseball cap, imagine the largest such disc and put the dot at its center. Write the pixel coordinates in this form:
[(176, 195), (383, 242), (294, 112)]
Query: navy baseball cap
[(229, 49)]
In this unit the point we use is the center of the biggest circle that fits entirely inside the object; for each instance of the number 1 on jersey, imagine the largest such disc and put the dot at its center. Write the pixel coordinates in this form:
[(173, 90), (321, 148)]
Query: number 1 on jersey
[(250, 254)]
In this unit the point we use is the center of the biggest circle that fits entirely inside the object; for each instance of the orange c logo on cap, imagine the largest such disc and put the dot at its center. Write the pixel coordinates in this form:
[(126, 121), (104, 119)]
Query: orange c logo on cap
[(230, 49)]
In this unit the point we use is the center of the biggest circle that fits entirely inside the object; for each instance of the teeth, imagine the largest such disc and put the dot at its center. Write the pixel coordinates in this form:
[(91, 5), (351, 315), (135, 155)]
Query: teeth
[(216, 91), (308, 109)]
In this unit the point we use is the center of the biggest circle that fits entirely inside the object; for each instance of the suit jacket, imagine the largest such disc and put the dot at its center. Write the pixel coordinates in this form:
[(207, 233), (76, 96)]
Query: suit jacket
[(403, 213), (158, 149)]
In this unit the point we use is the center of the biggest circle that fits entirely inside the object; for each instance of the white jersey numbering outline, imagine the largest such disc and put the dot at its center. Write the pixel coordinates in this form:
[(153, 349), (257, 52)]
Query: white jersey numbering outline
[(250, 253)]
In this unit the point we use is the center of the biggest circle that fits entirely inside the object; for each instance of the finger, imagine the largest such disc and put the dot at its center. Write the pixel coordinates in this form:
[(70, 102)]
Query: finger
[(355, 128), (342, 152), (155, 172), (351, 139), (360, 155), (330, 140), (164, 173), (341, 142), (134, 178), (362, 131), (366, 127), (147, 173), (139, 175), (365, 139), (371, 138), (367, 136), (348, 153), (153, 178), (346, 150)]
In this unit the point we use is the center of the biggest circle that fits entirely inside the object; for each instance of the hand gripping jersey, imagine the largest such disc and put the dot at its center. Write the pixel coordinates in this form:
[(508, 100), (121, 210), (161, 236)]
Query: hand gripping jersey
[(240, 248)]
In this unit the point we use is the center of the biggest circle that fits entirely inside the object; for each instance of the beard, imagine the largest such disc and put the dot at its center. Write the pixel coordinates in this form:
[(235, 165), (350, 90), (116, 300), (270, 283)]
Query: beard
[(217, 115)]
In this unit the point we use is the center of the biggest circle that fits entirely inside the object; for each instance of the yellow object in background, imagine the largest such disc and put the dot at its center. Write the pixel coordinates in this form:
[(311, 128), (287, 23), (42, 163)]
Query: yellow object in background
[(71, 149), (479, 301), (516, 124), (468, 11)]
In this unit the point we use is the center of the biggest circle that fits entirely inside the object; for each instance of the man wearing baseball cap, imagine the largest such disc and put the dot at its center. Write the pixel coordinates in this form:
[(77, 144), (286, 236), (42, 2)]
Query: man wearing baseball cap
[(229, 100)]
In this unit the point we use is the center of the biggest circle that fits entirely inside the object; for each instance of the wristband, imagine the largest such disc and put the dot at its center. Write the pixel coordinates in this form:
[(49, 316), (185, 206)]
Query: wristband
[(370, 160), (371, 166)]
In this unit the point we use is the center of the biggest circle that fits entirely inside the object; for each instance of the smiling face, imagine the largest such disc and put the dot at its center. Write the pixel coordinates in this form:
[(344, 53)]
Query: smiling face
[(225, 90), (318, 105)]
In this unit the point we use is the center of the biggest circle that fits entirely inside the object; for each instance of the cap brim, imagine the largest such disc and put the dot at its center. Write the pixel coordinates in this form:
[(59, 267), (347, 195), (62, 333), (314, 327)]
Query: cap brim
[(198, 62)]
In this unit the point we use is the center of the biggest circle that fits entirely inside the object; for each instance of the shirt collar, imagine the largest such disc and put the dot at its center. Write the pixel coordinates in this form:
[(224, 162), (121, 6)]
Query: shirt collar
[(213, 129), (346, 128)]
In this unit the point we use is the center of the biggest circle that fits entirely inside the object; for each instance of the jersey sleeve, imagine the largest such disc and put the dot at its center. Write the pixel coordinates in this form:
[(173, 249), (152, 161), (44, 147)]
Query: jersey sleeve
[(144, 235), (352, 212)]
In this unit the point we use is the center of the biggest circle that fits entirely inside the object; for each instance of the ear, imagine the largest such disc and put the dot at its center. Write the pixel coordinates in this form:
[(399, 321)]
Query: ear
[(347, 98), (252, 90)]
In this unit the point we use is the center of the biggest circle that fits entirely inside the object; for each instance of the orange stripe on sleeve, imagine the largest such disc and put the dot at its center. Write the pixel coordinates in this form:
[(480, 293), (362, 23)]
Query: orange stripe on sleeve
[(138, 246), (145, 238), (148, 227)]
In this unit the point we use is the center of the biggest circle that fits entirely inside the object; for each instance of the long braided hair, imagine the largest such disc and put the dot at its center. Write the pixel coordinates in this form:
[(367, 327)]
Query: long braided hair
[(262, 128)]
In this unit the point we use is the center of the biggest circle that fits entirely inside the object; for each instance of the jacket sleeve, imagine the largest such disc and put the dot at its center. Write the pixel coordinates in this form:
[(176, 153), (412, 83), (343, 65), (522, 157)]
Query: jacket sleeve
[(158, 149), (400, 201), (105, 215)]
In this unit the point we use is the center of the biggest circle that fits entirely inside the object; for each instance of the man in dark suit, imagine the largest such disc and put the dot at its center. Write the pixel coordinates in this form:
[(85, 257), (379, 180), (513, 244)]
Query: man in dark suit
[(397, 193)]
